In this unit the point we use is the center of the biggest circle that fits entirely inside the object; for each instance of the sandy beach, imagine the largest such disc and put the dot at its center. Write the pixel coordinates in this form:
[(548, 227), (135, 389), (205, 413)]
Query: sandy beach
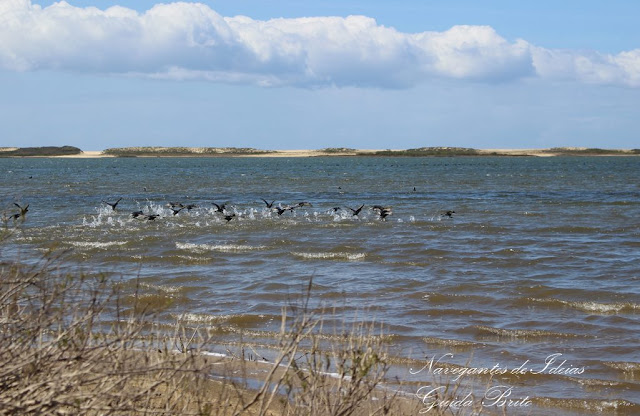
[(90, 154), (86, 154)]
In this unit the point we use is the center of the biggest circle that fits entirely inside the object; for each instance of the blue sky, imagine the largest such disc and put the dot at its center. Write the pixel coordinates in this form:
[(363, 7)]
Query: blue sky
[(309, 75)]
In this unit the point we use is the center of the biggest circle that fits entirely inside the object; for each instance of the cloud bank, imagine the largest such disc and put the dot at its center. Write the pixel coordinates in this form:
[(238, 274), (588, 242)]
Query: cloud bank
[(192, 41)]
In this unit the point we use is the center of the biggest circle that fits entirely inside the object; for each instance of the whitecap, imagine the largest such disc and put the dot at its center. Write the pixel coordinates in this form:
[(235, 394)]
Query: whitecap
[(591, 306), (329, 255), (96, 244), (164, 288), (202, 318), (225, 248)]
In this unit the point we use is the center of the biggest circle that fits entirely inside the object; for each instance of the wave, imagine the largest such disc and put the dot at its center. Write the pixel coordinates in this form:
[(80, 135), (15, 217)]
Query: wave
[(162, 288), (443, 312), (569, 229), (241, 320), (201, 318), (590, 405), (331, 256), (450, 298), (456, 343), (193, 260), (523, 333), (595, 382), (96, 244), (224, 248), (590, 306), (625, 367)]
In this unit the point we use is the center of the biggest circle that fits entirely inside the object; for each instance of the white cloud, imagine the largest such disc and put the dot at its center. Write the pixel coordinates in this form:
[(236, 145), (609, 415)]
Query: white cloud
[(588, 67), (475, 52), (192, 41)]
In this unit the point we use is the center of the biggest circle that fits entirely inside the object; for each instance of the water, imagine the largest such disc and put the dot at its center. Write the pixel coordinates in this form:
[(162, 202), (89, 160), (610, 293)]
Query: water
[(540, 258)]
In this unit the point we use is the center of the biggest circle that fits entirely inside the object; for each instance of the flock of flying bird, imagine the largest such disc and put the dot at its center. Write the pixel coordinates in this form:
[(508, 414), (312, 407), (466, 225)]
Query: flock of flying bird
[(382, 211), (176, 207)]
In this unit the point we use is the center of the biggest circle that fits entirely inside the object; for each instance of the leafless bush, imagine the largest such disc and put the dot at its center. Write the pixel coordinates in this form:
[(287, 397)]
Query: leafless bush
[(68, 347), (71, 344), (334, 374)]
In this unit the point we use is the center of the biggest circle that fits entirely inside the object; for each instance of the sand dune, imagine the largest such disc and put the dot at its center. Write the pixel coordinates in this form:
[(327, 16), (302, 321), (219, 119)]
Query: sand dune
[(353, 152)]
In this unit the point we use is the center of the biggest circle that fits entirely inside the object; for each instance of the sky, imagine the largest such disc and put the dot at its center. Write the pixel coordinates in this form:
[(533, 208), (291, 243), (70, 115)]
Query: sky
[(278, 74)]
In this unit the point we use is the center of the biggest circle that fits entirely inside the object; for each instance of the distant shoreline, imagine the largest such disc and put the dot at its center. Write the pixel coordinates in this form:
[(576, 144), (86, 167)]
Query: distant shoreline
[(333, 152)]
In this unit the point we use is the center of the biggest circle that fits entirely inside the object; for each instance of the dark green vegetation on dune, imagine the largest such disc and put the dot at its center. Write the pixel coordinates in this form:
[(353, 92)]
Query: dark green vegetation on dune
[(183, 151), (427, 151), (41, 151)]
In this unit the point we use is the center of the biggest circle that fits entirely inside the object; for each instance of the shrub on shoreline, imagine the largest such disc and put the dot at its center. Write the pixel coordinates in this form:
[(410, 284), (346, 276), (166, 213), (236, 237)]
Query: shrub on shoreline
[(66, 346)]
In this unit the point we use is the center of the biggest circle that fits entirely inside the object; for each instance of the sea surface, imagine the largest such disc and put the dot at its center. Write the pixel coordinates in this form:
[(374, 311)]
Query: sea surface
[(537, 271)]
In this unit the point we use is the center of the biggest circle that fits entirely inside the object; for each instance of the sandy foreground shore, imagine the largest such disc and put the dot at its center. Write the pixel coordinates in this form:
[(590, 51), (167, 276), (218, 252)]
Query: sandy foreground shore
[(88, 154)]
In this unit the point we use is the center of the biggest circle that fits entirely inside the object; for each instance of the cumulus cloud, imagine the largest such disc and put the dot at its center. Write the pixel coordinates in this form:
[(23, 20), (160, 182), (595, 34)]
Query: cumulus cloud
[(192, 41), (588, 67)]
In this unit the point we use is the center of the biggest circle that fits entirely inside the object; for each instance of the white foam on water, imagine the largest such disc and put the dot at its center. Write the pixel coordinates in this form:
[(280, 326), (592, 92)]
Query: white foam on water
[(102, 219), (329, 255), (214, 354), (224, 248), (604, 307), (594, 307), (194, 259), (202, 318), (166, 289), (96, 244)]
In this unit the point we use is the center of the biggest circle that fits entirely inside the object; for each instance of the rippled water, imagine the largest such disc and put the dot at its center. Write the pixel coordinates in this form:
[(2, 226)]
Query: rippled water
[(540, 258)]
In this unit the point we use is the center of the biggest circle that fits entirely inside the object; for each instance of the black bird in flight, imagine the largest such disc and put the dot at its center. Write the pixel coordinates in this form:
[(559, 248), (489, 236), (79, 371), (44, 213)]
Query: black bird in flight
[(176, 211), (281, 210), (23, 211), (356, 211), (136, 214), (219, 208), (229, 217), (269, 204), (114, 204), (151, 217), (384, 212), (449, 214)]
